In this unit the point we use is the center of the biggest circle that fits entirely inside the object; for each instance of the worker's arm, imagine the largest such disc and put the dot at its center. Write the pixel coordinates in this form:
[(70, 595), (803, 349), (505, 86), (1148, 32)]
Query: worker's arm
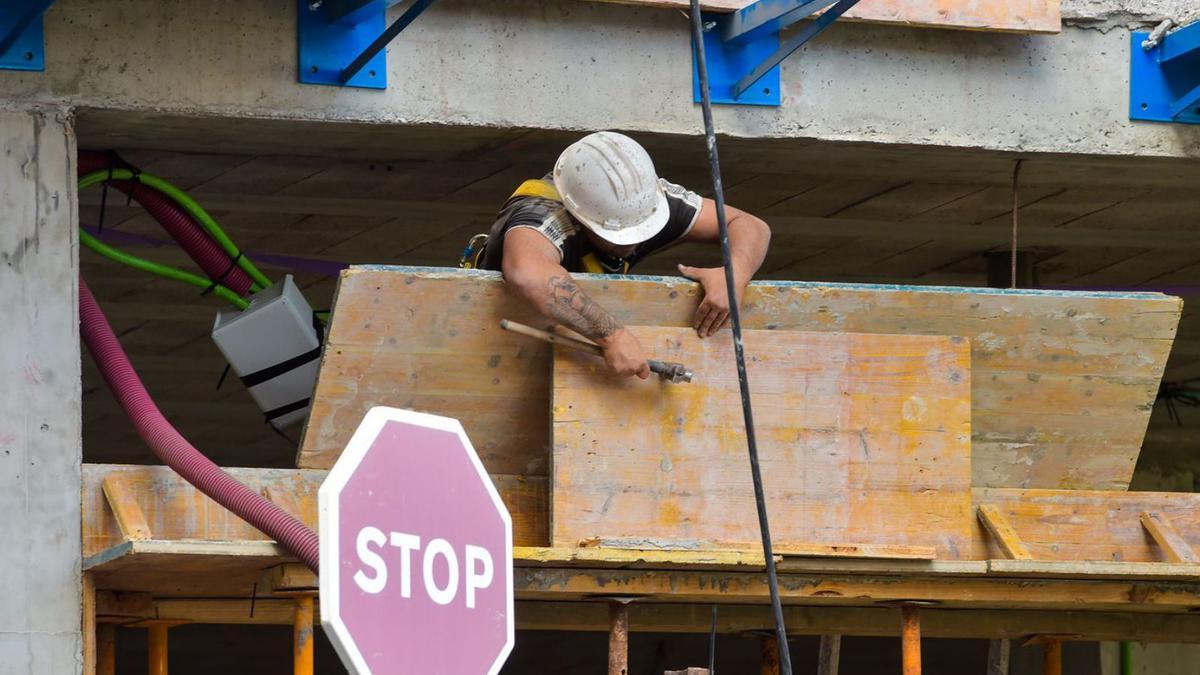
[(532, 269), (749, 238)]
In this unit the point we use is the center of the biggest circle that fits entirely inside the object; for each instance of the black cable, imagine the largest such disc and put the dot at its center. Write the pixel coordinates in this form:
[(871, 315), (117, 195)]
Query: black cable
[(785, 659)]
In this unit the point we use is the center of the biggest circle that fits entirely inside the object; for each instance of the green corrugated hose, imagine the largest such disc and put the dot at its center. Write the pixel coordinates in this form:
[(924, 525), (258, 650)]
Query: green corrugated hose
[(166, 271), (193, 209), (1126, 658)]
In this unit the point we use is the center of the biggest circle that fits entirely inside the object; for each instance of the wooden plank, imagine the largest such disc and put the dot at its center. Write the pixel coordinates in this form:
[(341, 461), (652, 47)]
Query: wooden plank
[(884, 567), (1094, 569), (172, 509), (841, 550), (88, 625), (106, 649), (131, 522), (737, 619), (875, 551), (999, 651), (526, 556), (1003, 533), (1055, 525), (1086, 525), (1095, 359), (208, 569), (861, 438), (1021, 16), (535, 583), (1174, 547), (117, 607), (829, 654)]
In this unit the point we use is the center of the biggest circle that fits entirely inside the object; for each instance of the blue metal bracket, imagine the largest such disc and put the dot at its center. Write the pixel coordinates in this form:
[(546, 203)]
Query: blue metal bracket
[(1164, 81), (22, 46), (342, 42), (743, 48)]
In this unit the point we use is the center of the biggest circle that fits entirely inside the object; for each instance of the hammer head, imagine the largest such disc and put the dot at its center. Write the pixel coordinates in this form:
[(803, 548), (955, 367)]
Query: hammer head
[(671, 372)]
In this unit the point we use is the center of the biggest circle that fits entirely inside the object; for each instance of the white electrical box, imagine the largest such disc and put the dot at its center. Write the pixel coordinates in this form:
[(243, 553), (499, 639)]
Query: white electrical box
[(274, 346)]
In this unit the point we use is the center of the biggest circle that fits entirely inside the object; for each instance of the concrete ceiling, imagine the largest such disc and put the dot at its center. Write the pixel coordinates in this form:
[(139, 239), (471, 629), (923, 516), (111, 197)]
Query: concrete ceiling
[(305, 198)]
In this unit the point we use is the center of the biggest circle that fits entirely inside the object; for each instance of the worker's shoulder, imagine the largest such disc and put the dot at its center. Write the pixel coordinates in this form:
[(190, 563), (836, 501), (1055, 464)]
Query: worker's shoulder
[(544, 215), (677, 192)]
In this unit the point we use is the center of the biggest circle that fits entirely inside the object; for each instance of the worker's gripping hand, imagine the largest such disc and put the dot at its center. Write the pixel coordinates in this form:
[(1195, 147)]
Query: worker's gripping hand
[(623, 354), (713, 312)]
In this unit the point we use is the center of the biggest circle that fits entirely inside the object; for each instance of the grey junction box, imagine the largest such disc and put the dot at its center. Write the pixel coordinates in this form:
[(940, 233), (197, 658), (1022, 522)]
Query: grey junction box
[(274, 346)]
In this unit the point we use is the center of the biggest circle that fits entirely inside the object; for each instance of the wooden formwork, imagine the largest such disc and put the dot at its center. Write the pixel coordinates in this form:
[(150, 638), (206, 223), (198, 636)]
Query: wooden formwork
[(1043, 391)]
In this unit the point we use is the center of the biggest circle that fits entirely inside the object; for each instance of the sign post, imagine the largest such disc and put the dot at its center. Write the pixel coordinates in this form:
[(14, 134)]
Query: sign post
[(416, 551)]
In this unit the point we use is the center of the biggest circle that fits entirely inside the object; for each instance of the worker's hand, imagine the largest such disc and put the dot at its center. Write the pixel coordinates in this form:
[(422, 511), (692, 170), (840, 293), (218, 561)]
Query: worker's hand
[(713, 312), (623, 353)]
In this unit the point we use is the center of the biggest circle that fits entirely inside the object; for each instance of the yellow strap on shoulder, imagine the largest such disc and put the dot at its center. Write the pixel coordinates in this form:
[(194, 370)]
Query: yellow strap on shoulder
[(537, 187), (591, 265)]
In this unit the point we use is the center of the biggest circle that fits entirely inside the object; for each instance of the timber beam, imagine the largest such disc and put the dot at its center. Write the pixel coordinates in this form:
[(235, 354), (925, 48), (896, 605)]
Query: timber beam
[(732, 619)]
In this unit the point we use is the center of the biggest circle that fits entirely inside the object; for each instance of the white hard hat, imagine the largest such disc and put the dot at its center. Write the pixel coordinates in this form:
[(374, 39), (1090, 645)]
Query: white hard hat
[(607, 182)]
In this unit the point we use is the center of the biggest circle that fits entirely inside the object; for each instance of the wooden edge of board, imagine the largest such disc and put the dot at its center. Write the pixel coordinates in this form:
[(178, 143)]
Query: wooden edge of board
[(131, 521), (540, 556), (871, 566), (1096, 569), (1003, 533), (1174, 547), (868, 551), (742, 619), (1047, 21), (288, 579), (232, 549)]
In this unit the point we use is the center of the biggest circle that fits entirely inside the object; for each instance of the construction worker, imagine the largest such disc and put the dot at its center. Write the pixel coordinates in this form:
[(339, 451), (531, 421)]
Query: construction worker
[(602, 210)]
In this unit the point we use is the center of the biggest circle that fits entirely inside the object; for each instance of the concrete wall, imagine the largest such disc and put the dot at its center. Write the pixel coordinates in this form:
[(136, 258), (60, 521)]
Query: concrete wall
[(39, 396), (568, 64)]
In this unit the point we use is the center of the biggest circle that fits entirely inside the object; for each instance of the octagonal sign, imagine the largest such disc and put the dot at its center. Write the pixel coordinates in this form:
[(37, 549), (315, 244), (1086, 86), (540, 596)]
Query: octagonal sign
[(416, 551)]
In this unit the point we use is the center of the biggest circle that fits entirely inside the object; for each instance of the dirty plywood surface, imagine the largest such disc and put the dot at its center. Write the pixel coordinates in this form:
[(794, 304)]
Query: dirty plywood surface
[(174, 510), (1087, 525), (863, 439), (1011, 16), (1062, 383)]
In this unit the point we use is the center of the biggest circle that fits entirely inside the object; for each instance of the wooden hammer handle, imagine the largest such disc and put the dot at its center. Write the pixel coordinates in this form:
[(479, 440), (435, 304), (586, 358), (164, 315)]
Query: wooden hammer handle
[(552, 338)]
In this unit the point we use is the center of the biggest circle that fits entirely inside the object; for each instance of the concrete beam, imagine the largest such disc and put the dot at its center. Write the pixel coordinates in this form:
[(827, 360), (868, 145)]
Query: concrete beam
[(40, 396), (563, 64)]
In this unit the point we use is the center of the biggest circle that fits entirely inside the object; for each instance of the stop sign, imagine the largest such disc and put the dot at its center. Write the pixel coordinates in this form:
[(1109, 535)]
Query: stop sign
[(416, 551)]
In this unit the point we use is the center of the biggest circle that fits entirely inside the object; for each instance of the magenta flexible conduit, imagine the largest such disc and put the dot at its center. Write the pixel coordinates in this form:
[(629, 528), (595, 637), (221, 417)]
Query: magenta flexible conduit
[(174, 450), (191, 237)]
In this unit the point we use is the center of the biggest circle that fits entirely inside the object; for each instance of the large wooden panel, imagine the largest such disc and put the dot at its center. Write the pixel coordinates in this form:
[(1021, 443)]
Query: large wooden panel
[(1016, 16), (862, 439), (1062, 382)]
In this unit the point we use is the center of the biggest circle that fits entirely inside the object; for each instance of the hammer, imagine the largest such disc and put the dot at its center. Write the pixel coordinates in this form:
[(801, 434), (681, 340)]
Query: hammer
[(672, 372)]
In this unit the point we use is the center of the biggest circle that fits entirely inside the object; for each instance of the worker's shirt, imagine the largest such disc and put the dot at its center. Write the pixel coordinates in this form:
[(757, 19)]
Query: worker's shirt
[(536, 205)]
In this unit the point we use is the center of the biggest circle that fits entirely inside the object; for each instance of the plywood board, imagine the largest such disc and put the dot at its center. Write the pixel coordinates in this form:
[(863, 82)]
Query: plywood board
[(174, 510), (1062, 382), (1012, 16), (1088, 525), (862, 439)]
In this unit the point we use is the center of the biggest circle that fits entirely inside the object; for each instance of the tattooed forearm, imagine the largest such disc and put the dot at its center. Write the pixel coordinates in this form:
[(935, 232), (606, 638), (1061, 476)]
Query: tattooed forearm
[(569, 305)]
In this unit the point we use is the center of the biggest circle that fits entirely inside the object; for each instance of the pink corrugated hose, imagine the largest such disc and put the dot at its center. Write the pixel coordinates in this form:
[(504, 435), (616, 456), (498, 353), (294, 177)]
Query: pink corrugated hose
[(174, 450), (191, 237)]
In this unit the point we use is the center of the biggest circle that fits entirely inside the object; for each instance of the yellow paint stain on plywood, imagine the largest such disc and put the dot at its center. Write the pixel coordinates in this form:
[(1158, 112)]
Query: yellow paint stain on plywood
[(862, 438)]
